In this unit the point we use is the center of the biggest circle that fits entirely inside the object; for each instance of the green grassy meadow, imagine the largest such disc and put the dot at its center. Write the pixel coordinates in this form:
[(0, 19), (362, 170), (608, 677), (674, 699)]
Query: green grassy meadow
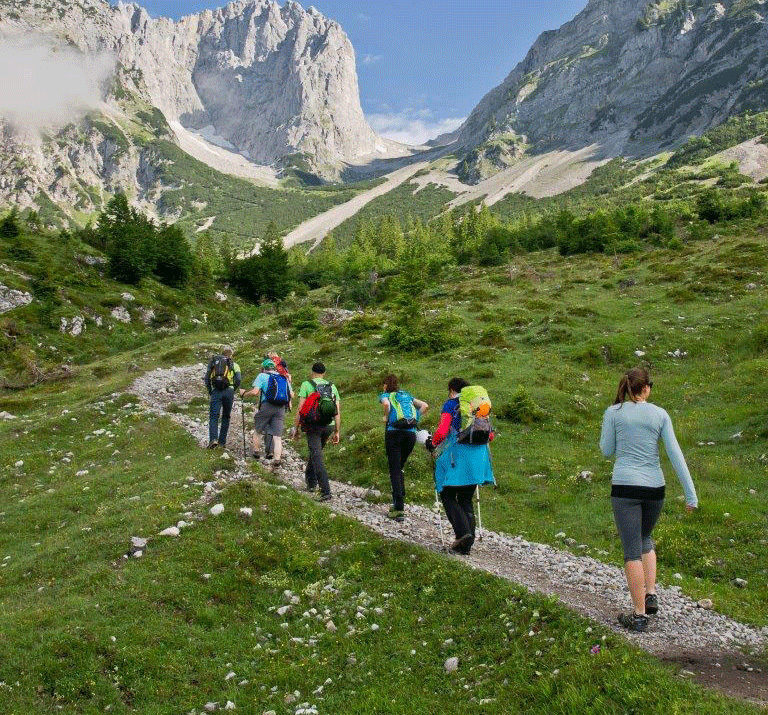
[(86, 630)]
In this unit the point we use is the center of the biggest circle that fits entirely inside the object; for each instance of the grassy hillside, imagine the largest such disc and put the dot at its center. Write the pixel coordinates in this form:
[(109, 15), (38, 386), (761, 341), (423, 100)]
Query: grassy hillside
[(550, 337), (78, 313), (194, 621)]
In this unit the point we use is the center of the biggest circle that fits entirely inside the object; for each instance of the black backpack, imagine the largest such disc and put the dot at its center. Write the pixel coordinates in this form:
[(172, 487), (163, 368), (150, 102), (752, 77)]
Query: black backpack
[(221, 369)]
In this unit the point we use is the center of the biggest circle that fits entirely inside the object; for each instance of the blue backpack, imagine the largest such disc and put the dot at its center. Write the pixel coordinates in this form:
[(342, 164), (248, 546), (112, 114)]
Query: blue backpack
[(402, 412), (277, 390)]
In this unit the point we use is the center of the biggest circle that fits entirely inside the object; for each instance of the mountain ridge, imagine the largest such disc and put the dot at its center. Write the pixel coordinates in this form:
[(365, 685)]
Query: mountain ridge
[(634, 77)]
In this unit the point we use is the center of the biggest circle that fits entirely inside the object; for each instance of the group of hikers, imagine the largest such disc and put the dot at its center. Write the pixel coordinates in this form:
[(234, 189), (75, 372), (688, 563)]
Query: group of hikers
[(461, 449)]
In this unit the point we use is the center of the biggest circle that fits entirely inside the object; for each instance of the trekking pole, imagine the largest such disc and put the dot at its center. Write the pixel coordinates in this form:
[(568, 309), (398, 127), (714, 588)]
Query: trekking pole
[(242, 414), (479, 517), (439, 520)]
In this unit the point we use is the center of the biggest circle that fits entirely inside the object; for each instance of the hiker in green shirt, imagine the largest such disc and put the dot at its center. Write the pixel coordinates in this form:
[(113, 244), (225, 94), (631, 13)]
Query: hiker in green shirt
[(319, 416)]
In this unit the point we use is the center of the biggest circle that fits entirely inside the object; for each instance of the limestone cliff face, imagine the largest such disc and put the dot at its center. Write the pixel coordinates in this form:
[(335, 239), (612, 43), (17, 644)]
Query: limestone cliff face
[(277, 83), (631, 75)]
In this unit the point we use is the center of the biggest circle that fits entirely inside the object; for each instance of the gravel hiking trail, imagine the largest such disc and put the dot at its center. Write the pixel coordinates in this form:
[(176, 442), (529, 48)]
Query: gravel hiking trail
[(712, 648)]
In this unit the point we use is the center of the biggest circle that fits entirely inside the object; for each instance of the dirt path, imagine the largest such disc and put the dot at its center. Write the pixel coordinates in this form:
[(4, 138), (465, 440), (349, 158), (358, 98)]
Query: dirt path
[(316, 228), (710, 646)]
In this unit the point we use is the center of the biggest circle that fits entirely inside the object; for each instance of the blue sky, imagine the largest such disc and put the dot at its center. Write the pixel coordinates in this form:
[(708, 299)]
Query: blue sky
[(424, 64)]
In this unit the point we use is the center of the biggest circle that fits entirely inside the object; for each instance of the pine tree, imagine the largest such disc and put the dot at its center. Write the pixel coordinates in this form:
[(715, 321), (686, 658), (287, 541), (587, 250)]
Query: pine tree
[(130, 240), (9, 226), (274, 265), (174, 257)]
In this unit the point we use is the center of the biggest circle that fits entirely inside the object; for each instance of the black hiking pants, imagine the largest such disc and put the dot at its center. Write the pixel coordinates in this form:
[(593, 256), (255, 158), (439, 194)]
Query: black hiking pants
[(316, 473), (399, 445), (220, 404), (458, 507)]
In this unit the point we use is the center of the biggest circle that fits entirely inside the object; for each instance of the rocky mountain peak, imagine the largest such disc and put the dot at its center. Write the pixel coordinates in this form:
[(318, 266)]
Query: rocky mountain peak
[(272, 81), (632, 77)]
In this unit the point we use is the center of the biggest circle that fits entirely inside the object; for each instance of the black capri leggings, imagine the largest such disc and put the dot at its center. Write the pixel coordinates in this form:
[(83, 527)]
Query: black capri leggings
[(635, 519)]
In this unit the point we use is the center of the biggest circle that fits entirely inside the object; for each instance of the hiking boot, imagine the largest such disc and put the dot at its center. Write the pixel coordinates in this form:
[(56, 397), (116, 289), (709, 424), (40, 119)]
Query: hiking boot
[(269, 456), (212, 445), (633, 621), (256, 455), (651, 604), (462, 545), (324, 497), (396, 515)]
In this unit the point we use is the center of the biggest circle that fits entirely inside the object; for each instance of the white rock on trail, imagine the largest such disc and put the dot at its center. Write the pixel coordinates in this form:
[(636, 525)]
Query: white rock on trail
[(170, 531), (217, 509)]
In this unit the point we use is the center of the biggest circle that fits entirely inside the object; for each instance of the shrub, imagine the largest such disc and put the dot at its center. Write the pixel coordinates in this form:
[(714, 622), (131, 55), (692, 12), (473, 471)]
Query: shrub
[(760, 338), (304, 320), (423, 336), (521, 409), (361, 326), (494, 336)]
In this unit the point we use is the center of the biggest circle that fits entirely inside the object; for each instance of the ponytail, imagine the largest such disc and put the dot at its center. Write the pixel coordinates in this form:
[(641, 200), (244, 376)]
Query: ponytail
[(632, 384)]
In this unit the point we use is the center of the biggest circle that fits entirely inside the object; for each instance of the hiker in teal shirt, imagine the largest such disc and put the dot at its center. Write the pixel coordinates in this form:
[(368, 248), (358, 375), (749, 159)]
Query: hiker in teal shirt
[(402, 413)]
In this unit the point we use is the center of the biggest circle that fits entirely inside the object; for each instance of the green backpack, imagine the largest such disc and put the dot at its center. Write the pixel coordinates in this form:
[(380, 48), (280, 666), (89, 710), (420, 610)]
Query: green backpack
[(475, 410)]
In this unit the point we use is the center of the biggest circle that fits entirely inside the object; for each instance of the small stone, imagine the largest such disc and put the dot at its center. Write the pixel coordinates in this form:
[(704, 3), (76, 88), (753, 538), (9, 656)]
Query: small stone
[(331, 627), (19, 464), (374, 626), (225, 455), (170, 531), (246, 512), (138, 542), (451, 665), (678, 576), (230, 675), (705, 603), (740, 582), (560, 535), (283, 610), (211, 707), (217, 509), (230, 705)]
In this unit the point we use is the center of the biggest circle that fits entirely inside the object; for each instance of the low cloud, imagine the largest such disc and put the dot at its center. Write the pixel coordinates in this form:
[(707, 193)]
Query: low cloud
[(47, 84), (371, 59), (413, 127)]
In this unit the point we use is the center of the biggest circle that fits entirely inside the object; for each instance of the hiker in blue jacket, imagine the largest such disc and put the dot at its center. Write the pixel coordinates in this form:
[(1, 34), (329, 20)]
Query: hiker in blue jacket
[(459, 469), (402, 413), (275, 396)]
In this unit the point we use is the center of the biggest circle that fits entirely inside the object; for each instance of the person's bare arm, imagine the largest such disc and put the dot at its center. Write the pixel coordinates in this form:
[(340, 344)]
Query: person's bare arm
[(387, 407), (421, 406)]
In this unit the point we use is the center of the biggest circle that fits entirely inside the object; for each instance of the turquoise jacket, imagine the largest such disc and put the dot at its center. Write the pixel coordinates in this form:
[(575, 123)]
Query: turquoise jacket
[(461, 465)]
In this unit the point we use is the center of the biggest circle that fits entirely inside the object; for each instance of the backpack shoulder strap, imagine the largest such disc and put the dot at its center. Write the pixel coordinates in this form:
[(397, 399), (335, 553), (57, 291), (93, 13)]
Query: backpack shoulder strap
[(314, 385)]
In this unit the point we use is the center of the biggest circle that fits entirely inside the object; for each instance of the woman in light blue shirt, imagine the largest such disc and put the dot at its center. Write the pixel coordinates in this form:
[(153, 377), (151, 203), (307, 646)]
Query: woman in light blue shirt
[(632, 429)]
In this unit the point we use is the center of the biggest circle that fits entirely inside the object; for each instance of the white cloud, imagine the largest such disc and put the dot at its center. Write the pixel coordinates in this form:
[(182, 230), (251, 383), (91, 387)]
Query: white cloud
[(47, 84), (371, 59), (412, 126)]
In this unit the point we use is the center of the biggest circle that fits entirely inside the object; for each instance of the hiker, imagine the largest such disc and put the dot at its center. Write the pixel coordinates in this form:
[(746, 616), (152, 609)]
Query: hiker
[(282, 367), (402, 413), (275, 396), (631, 431), (319, 417), (222, 378), (464, 461)]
